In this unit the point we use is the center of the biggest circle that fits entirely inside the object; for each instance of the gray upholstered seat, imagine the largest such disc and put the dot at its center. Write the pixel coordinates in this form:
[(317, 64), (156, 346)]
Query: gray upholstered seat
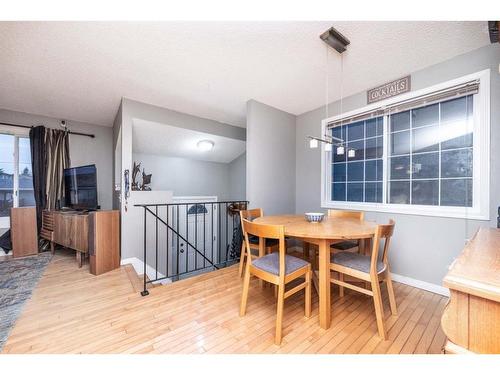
[(356, 261), (345, 245), (270, 263)]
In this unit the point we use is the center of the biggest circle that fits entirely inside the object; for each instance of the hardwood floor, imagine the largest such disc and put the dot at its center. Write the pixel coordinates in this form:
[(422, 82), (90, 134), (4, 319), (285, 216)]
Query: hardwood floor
[(72, 311)]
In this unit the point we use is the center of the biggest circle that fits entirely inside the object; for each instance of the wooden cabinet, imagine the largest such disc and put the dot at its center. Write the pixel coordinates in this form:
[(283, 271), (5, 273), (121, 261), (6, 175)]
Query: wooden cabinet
[(71, 230), (96, 233), (104, 241), (61, 229), (79, 233), (23, 231), (471, 320)]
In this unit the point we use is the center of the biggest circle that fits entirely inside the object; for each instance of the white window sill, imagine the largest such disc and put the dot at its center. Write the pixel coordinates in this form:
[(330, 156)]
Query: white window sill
[(436, 211)]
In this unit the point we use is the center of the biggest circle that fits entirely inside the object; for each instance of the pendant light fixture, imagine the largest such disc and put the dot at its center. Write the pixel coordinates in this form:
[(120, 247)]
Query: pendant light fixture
[(337, 41)]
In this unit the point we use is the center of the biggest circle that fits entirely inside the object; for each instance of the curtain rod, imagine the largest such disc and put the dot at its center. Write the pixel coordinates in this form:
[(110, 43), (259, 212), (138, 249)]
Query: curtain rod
[(29, 127)]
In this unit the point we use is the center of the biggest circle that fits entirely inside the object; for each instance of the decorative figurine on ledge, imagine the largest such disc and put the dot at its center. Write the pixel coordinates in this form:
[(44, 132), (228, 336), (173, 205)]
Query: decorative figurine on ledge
[(135, 170), (146, 178)]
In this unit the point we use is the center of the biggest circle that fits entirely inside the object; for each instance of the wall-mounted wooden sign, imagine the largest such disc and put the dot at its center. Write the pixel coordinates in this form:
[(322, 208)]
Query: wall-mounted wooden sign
[(387, 90)]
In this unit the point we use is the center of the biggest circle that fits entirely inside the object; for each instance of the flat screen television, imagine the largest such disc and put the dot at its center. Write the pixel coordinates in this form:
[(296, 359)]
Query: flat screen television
[(80, 187)]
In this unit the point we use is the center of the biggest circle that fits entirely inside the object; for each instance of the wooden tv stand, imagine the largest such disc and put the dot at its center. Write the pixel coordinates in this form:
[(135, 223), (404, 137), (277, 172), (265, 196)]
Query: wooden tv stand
[(96, 233)]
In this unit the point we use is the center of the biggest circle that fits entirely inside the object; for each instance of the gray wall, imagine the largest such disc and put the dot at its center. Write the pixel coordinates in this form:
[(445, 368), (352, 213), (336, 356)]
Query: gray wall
[(117, 157), (422, 246), (237, 178), (270, 158), (186, 177), (83, 150)]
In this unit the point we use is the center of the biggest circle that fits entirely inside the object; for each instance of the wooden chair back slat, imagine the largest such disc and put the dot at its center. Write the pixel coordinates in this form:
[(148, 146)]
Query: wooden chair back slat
[(251, 214), (386, 232), (359, 215), (383, 232)]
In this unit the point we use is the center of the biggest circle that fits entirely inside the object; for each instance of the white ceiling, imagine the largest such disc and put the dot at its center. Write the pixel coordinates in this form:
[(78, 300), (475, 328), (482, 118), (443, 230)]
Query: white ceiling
[(160, 139), (80, 70)]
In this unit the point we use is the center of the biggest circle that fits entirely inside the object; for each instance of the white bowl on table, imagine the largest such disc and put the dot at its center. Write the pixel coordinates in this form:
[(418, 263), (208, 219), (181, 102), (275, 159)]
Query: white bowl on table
[(314, 217)]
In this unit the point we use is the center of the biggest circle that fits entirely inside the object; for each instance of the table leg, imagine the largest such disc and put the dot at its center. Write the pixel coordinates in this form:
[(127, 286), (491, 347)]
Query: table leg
[(324, 284), (79, 259), (305, 247), (368, 246), (361, 246)]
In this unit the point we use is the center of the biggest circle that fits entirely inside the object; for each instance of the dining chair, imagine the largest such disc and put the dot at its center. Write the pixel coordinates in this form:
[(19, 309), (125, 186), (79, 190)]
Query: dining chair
[(358, 215), (370, 269), (270, 244), (276, 268)]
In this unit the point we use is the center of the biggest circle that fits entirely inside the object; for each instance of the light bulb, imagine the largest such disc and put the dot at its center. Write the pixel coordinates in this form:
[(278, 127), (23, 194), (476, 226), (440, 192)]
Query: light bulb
[(340, 150), (351, 153), (313, 143), (328, 147)]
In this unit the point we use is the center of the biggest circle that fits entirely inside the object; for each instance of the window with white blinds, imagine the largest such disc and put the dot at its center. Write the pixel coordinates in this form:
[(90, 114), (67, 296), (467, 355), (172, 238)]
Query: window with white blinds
[(426, 152)]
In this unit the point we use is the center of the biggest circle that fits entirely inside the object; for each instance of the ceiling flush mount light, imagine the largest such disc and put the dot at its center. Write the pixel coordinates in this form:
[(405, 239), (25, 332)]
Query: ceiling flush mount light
[(205, 145)]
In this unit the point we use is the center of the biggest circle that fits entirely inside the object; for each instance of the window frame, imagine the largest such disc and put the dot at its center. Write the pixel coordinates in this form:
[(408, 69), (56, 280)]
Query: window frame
[(16, 133), (481, 157)]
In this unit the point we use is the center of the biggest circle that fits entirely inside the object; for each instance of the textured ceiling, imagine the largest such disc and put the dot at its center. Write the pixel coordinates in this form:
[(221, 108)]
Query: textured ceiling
[(160, 139), (80, 70)]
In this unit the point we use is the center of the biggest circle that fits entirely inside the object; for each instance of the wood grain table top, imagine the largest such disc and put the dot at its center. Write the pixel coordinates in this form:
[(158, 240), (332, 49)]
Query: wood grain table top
[(331, 228)]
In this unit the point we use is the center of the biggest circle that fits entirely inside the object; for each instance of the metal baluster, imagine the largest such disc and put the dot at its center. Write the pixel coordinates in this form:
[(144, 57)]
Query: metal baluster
[(156, 238), (232, 229), (227, 235), (177, 257), (145, 290), (219, 235), (204, 238), (168, 244), (212, 237), (196, 237)]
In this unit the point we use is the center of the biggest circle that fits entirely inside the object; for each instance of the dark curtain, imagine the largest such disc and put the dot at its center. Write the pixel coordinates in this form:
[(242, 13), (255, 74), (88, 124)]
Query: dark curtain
[(38, 165), (57, 159)]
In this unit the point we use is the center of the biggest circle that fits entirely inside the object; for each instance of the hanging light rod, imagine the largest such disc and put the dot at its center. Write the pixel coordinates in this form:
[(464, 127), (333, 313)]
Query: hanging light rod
[(329, 139), (329, 142), (335, 40)]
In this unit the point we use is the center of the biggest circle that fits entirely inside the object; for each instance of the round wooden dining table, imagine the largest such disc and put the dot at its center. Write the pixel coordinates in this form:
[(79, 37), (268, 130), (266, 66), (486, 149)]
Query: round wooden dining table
[(329, 231)]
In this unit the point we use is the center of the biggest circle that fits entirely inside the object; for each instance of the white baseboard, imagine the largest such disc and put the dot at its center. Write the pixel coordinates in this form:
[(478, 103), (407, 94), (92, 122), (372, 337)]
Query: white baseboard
[(139, 270), (438, 289)]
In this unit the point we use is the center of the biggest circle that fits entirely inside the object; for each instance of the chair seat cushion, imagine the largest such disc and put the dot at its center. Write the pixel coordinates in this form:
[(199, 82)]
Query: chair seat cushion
[(356, 261), (271, 263), (346, 245), (254, 240)]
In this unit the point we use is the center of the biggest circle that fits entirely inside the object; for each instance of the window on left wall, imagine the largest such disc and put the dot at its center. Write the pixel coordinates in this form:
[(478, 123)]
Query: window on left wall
[(16, 176)]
